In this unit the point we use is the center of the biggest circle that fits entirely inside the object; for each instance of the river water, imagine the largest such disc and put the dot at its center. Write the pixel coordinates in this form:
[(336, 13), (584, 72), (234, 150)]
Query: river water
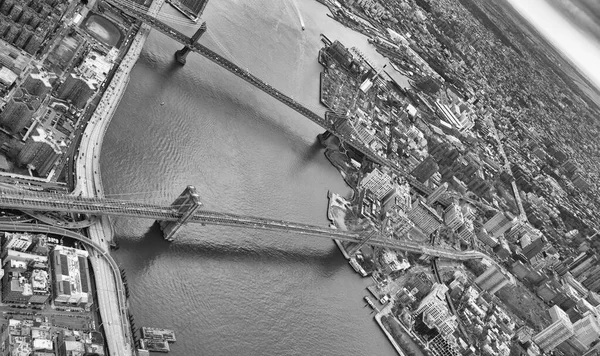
[(227, 291)]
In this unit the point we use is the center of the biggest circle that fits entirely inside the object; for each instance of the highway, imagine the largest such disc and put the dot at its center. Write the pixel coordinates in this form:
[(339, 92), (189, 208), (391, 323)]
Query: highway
[(88, 183), (59, 222), (513, 184)]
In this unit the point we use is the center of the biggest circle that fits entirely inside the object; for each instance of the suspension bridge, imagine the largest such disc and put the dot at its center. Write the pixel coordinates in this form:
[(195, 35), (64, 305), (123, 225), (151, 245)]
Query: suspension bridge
[(186, 209), (327, 121)]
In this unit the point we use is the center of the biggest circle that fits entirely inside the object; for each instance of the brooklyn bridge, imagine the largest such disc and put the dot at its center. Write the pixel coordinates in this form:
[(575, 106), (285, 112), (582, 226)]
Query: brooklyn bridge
[(186, 209)]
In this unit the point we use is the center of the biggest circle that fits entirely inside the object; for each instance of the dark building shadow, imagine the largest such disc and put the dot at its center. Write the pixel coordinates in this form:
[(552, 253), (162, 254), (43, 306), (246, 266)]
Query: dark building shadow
[(310, 155)]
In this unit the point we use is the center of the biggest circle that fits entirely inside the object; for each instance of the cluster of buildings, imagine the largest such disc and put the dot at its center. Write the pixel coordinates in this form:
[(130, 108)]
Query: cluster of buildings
[(490, 169), (21, 337), (54, 61), (479, 326), (562, 333), (37, 272)]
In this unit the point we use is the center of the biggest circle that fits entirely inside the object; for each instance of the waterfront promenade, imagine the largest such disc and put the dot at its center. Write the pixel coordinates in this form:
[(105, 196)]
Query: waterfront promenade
[(89, 184)]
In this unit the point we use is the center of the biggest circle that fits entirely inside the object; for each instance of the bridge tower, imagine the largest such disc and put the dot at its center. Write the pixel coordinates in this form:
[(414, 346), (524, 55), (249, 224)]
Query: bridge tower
[(353, 247), (181, 54), (187, 203)]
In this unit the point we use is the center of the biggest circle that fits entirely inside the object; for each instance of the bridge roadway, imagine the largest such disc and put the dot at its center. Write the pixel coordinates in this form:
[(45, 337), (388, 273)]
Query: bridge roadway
[(42, 201)]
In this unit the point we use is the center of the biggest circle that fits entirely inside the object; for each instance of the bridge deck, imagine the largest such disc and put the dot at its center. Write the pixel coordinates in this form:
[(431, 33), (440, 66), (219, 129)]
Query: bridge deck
[(42, 201)]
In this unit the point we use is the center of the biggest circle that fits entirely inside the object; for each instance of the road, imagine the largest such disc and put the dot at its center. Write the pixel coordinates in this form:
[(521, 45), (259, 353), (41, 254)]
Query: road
[(89, 184), (513, 184)]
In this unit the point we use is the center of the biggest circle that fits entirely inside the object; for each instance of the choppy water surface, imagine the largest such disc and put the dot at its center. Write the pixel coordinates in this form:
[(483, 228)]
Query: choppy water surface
[(226, 291)]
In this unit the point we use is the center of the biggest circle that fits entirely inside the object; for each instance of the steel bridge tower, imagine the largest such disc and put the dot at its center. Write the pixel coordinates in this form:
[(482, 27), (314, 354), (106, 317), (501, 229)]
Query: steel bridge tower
[(186, 204), (181, 54)]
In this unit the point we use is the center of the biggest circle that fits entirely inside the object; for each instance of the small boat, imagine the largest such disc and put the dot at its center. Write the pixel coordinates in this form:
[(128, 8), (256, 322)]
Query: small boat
[(163, 103), (302, 27)]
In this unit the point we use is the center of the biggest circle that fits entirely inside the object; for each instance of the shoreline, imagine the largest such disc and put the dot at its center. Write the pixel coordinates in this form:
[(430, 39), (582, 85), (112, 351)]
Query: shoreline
[(337, 202), (333, 202), (397, 347), (112, 302)]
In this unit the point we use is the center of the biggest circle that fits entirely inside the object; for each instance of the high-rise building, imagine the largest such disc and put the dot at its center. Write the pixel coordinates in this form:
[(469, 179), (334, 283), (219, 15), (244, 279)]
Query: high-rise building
[(465, 232), (425, 218), (71, 276), (12, 34), (7, 5), (34, 43), (399, 196), (18, 112), (378, 182), (15, 12), (493, 279), (24, 36), (453, 217), (469, 213), (484, 237), (76, 89), (26, 278), (521, 229), (587, 330), (445, 345), (41, 151), (498, 224), (437, 193), (580, 182), (397, 222), (4, 26), (17, 241), (583, 263), (39, 82), (554, 334), (591, 280), (425, 169), (532, 250), (435, 312)]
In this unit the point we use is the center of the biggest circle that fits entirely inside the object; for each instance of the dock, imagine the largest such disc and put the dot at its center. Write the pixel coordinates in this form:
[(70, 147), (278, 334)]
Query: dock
[(357, 267), (371, 304), (155, 345), (158, 334)]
